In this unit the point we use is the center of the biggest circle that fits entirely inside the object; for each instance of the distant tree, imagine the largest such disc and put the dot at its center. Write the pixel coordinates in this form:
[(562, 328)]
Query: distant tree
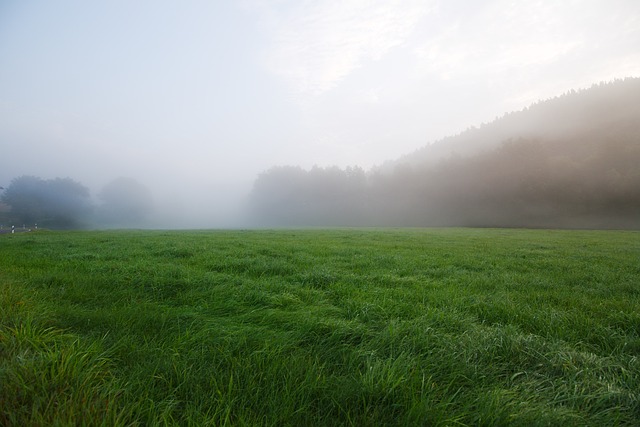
[(320, 196), (67, 202), (56, 203), (279, 196), (25, 195), (125, 202)]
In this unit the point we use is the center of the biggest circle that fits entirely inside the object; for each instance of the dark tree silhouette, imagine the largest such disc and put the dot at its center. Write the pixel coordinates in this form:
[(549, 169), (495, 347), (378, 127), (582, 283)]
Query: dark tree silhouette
[(55, 203)]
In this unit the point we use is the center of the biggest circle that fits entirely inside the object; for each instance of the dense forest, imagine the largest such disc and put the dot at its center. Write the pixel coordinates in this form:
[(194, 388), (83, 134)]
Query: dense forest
[(572, 161)]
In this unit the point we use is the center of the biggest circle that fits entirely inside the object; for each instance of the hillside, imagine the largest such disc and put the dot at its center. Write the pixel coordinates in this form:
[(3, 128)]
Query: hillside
[(575, 112), (568, 162)]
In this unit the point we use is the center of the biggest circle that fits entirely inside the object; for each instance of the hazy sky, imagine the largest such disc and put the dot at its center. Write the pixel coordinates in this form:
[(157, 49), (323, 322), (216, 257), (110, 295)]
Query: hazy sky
[(208, 94)]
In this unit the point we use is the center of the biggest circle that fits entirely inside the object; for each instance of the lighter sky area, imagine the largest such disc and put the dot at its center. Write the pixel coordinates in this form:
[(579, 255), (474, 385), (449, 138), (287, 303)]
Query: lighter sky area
[(201, 96)]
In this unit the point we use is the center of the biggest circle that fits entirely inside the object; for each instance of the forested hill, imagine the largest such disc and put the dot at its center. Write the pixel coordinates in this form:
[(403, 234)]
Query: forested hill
[(574, 112), (572, 162)]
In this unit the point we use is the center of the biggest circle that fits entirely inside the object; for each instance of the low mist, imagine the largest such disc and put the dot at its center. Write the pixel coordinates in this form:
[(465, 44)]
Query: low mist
[(567, 162), (124, 202)]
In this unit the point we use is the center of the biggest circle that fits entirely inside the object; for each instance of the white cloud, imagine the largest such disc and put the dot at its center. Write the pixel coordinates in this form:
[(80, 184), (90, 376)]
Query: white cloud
[(315, 45)]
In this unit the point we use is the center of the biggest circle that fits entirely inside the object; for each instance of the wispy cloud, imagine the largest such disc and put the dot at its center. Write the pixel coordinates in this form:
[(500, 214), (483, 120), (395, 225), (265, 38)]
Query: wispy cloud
[(498, 37), (315, 45)]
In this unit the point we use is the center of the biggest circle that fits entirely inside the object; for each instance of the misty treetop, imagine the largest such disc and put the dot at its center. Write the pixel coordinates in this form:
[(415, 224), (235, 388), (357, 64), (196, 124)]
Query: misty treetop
[(322, 196), (572, 161), (63, 203), (125, 202)]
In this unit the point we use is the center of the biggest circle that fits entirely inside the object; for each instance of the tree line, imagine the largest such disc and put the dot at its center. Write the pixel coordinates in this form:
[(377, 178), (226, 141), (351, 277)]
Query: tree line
[(63, 203), (582, 171)]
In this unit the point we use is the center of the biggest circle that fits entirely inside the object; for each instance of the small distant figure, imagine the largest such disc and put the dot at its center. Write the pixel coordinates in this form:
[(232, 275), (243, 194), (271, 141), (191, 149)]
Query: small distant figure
[(36, 225), (13, 229)]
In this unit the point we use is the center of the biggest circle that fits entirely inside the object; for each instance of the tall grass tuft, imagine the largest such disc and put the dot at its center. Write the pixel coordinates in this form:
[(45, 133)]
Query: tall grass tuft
[(48, 377)]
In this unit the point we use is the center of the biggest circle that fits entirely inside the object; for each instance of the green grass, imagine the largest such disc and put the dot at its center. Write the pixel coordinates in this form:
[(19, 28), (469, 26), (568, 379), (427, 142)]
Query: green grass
[(320, 327)]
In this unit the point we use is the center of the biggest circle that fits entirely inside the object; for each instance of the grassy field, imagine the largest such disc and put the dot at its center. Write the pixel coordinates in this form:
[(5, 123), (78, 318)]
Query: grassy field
[(320, 327)]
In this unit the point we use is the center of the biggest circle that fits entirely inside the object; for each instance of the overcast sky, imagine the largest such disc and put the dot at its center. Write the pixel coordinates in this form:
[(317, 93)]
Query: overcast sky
[(207, 94)]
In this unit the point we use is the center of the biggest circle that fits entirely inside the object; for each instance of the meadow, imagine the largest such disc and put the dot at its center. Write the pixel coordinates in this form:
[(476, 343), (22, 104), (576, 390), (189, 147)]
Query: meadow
[(362, 327)]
